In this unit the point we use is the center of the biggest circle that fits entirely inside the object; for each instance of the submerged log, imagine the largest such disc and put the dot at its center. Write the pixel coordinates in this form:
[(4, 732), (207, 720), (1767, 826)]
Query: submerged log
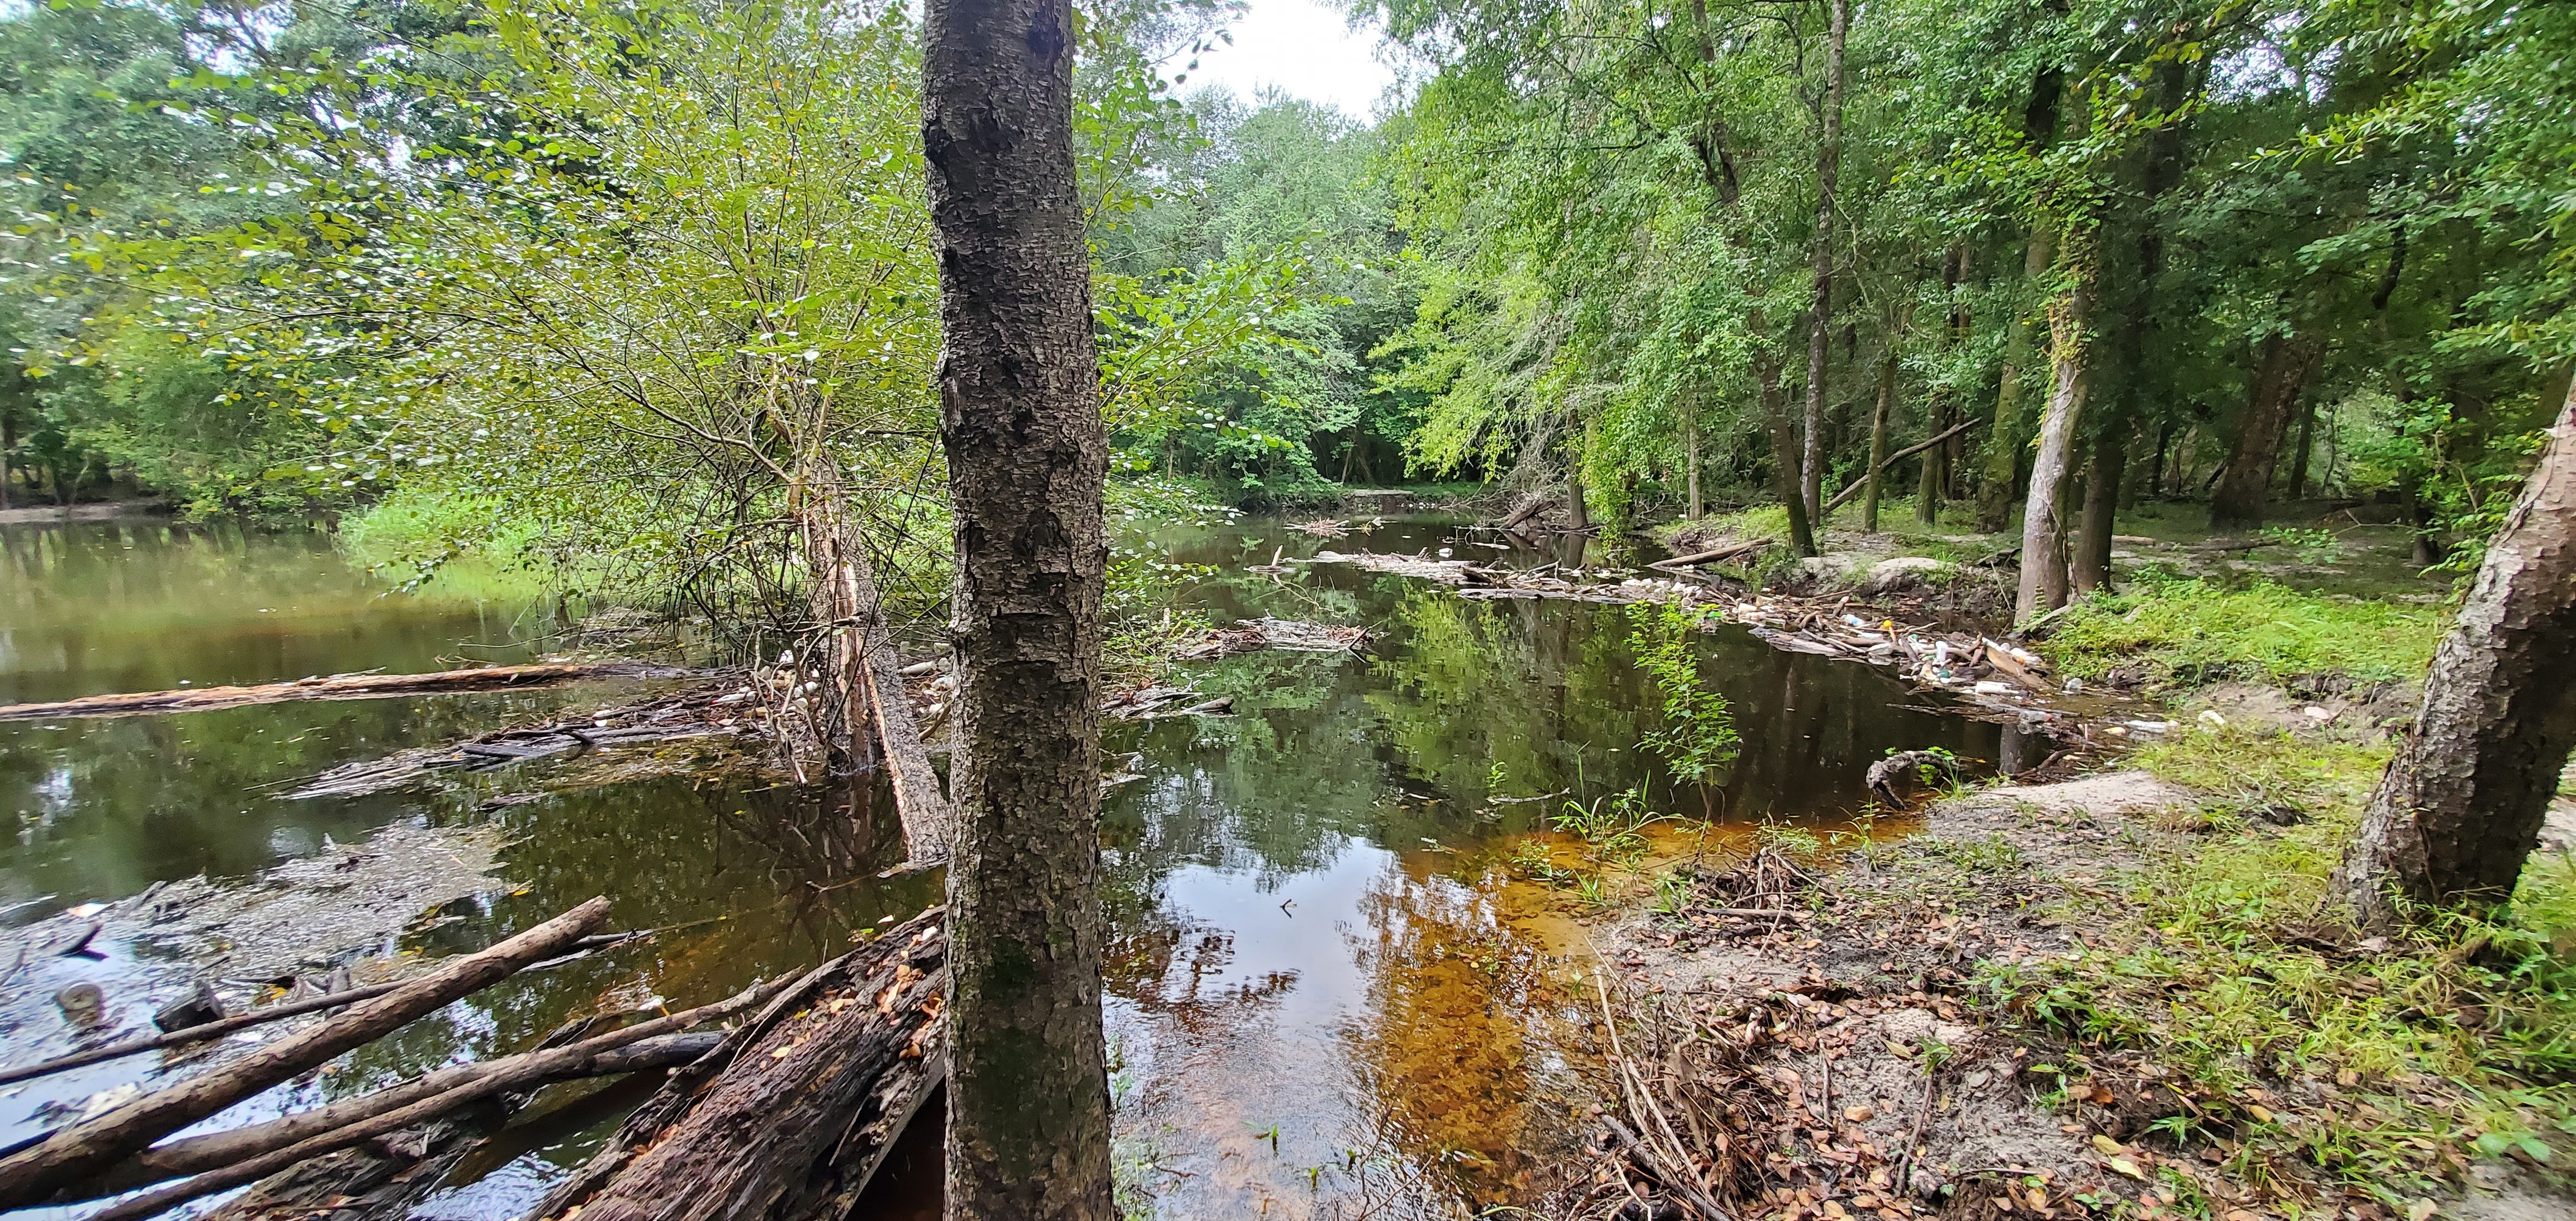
[(84, 1149), (336, 687), (793, 1115)]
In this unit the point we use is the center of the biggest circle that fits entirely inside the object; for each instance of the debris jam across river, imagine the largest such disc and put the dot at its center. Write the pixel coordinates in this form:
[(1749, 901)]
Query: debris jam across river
[(1341, 969)]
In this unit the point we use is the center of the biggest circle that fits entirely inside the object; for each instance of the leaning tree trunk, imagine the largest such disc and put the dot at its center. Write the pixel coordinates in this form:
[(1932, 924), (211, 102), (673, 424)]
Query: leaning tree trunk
[(860, 663), (1028, 1113), (1829, 163), (2043, 528), (2245, 483), (2461, 805)]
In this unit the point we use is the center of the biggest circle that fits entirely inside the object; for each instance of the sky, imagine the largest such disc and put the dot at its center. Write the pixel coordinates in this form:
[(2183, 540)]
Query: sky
[(1303, 47)]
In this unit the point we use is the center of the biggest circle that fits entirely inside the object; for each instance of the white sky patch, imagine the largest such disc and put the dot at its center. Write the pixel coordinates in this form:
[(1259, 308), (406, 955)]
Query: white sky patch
[(1303, 48)]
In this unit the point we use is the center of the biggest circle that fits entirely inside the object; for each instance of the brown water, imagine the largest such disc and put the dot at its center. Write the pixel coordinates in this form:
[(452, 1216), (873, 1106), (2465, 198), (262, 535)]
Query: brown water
[(1330, 992)]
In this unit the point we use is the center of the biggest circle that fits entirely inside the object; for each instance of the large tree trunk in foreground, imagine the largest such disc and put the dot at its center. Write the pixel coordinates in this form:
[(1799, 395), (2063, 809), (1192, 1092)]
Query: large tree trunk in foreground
[(2043, 529), (1829, 164), (2245, 483), (2461, 805), (1028, 1095)]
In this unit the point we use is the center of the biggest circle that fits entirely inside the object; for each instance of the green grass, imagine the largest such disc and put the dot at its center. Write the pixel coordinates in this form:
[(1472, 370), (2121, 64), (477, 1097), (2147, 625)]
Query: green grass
[(2263, 630), (2229, 961)]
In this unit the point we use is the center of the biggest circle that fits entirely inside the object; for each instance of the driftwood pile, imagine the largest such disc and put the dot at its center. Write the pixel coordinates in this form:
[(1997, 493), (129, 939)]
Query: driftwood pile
[(1991, 679), (708, 712), (1253, 635), (785, 1116)]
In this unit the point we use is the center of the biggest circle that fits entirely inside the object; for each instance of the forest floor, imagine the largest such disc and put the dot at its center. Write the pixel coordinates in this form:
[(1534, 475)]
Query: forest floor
[(2127, 993)]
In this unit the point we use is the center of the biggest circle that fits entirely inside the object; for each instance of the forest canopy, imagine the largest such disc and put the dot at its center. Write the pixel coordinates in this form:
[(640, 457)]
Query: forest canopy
[(608, 285)]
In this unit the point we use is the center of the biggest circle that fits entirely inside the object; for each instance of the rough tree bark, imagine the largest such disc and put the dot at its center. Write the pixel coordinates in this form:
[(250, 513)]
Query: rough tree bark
[(1829, 166), (1784, 451), (2245, 483), (2103, 493), (2461, 804), (2043, 528), (1878, 438), (1028, 1114)]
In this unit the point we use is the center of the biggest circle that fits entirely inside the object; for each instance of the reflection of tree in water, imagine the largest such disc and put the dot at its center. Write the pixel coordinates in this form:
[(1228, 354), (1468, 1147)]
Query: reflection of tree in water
[(1174, 967), (1446, 1051)]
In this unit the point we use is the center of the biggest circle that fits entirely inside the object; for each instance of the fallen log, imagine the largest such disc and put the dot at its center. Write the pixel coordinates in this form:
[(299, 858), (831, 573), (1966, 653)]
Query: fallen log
[(336, 687), (1882, 775), (193, 1034), (383, 1179), (531, 1069), (85, 1149), (216, 1150), (793, 1116)]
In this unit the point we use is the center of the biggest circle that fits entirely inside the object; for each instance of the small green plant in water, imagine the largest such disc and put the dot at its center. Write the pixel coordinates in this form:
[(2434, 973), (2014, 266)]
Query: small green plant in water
[(1610, 823), (1698, 739)]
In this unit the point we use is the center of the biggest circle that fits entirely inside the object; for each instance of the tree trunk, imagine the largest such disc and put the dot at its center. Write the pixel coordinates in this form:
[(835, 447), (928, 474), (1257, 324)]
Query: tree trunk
[(2245, 483), (2003, 457), (2102, 477), (1028, 1113), (1784, 452), (1934, 479), (1577, 519), (1829, 163), (1878, 438), (2043, 528), (1690, 457), (2299, 449), (2461, 804)]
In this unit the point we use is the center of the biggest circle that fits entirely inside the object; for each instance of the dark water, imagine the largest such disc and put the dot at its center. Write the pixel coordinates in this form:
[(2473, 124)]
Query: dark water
[(1330, 991)]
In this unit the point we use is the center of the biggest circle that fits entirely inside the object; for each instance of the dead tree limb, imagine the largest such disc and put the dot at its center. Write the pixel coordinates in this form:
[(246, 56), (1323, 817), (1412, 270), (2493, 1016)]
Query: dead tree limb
[(793, 1117), (1844, 496), (337, 687), (530, 1070), (87, 1148), (1712, 556), (865, 673), (193, 1034)]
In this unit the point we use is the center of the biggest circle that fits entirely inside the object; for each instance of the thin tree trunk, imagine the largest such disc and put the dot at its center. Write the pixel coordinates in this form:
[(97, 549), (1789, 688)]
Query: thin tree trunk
[(1829, 163), (1028, 1113), (1577, 519), (1878, 438), (1934, 479), (2003, 457), (2245, 483), (2299, 449), (1690, 456), (2461, 804), (2043, 530), (2102, 476), (1784, 452)]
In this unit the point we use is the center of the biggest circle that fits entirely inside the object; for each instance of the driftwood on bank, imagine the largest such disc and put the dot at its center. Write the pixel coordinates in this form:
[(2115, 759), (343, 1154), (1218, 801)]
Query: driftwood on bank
[(87, 1148), (790, 1118), (1253, 635), (336, 687), (705, 712), (1714, 555)]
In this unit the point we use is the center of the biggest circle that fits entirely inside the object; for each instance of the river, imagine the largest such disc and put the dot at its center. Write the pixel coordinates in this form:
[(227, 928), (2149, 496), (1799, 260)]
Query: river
[(1332, 990)]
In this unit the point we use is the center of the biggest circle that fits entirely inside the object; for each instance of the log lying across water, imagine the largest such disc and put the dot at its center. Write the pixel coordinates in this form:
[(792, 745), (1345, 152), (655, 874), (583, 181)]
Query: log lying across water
[(792, 1116), (336, 687)]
